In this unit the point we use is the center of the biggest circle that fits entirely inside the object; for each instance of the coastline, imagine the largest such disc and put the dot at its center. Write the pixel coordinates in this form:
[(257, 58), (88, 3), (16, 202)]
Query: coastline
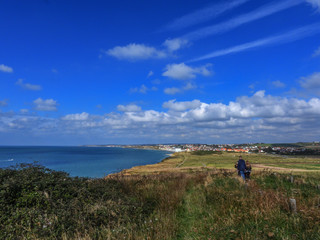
[(91, 162), (126, 171), (140, 168), (143, 147)]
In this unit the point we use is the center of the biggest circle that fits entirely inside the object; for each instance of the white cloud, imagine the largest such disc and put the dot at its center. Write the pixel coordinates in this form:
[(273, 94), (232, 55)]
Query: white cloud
[(172, 90), (129, 108), (203, 15), (181, 106), (24, 111), (154, 88), (315, 4), (3, 103), (156, 81), (149, 116), (135, 51), (150, 74), (189, 86), (4, 68), (28, 86), (175, 44), (45, 104), (316, 53), (182, 71), (76, 117), (134, 90), (257, 106), (242, 19), (179, 71), (291, 36), (252, 86), (259, 117), (311, 82), (143, 89), (278, 84)]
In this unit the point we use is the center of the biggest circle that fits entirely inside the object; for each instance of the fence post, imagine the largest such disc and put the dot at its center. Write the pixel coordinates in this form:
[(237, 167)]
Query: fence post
[(291, 179), (293, 205)]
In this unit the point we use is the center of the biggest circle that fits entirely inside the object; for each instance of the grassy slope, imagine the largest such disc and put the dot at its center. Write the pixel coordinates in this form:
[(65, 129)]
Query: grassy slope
[(226, 209), (190, 162), (185, 200)]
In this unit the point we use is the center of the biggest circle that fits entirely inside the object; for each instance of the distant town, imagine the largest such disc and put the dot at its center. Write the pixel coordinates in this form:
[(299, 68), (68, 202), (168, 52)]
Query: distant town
[(301, 148)]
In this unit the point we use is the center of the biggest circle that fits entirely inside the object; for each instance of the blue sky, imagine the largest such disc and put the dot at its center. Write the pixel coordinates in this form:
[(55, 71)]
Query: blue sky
[(101, 72)]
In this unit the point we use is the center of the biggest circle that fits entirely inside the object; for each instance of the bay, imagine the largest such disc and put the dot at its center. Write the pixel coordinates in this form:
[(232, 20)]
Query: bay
[(94, 162)]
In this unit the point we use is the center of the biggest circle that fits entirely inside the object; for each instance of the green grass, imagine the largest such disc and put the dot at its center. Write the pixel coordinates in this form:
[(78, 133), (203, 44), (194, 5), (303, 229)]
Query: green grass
[(206, 160), (306, 166), (226, 209), (228, 160), (38, 203)]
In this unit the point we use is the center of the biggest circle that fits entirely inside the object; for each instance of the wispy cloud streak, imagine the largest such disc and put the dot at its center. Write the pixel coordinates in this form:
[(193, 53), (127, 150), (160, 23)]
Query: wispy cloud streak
[(316, 53), (203, 15), (315, 4), (291, 36), (262, 12)]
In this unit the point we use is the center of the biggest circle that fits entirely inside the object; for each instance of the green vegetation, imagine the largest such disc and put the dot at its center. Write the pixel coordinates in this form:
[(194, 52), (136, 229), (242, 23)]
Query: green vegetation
[(226, 209), (38, 203), (207, 160), (298, 144), (200, 153), (310, 166)]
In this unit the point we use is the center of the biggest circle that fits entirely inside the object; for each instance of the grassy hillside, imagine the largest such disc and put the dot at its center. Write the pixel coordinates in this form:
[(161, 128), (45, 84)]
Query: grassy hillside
[(38, 203), (206, 161)]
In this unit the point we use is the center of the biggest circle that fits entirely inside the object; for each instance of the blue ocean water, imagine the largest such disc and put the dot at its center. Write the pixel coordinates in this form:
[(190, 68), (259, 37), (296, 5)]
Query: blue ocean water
[(81, 161)]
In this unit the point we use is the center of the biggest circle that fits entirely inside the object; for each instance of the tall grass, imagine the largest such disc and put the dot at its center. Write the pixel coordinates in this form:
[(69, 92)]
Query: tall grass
[(38, 203)]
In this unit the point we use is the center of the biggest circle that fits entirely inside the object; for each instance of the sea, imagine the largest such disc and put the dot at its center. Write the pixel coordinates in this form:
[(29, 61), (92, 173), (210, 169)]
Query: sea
[(93, 162)]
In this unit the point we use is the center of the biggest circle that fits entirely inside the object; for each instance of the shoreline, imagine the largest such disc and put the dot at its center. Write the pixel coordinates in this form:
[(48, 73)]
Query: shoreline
[(126, 172), (97, 162)]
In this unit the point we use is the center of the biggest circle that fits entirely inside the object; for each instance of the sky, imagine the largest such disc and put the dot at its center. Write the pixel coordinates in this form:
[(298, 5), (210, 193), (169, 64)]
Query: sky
[(148, 72)]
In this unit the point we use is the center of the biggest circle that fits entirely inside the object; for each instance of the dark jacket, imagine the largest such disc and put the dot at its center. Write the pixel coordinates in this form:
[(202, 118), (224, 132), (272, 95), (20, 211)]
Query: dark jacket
[(241, 165)]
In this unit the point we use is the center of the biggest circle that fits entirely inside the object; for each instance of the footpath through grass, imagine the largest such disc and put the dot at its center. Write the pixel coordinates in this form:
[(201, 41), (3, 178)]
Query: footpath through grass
[(226, 208), (37, 203)]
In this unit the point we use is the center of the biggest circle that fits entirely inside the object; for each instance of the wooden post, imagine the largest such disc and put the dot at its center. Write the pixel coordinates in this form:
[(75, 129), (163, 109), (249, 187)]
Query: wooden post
[(291, 179), (293, 205)]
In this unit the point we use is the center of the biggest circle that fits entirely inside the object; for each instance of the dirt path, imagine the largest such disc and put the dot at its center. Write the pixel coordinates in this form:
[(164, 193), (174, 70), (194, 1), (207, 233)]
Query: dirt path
[(316, 162), (282, 169), (184, 160)]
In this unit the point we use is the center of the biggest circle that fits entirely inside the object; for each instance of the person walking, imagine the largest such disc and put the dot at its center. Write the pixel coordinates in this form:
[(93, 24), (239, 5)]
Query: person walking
[(241, 167), (247, 172), (236, 166)]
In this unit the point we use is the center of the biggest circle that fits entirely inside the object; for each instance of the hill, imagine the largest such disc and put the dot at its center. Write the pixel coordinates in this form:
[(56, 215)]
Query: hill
[(189, 201)]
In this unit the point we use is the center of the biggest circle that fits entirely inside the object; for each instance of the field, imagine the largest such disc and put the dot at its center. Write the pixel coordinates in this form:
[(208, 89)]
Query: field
[(187, 196), (205, 161)]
